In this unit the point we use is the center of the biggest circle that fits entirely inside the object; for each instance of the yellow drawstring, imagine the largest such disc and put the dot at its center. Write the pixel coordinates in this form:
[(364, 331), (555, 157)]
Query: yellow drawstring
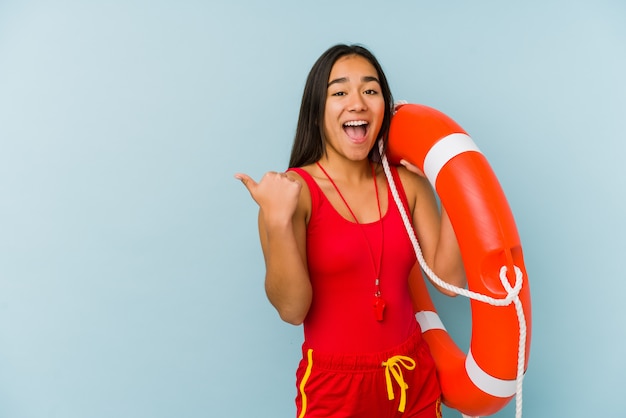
[(393, 365)]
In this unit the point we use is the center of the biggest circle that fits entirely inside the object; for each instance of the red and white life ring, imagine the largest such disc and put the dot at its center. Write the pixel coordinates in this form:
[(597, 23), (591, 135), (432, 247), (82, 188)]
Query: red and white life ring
[(485, 379)]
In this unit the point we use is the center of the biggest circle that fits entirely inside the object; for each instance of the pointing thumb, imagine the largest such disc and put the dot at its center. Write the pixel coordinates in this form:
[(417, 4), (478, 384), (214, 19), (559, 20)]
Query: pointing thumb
[(247, 181)]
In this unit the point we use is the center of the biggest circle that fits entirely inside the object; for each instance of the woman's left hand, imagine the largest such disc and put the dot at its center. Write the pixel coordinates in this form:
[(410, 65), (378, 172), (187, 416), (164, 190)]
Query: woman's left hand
[(412, 168)]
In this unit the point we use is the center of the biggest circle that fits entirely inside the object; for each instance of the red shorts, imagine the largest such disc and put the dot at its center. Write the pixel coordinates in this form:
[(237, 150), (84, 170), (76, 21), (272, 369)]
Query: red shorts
[(400, 382)]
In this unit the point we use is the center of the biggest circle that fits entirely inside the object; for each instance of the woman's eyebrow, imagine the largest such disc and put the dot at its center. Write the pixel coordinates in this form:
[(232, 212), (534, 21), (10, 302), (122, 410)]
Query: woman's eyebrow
[(364, 79), (369, 78)]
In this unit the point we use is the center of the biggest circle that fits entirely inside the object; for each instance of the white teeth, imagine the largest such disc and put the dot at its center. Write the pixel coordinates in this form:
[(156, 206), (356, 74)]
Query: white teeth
[(355, 123)]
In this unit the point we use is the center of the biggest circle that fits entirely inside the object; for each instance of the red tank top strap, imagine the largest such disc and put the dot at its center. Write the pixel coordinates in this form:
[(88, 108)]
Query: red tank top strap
[(314, 189), (400, 188)]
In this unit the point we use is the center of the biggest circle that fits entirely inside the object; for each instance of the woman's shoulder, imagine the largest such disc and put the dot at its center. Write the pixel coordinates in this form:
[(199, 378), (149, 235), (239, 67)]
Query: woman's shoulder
[(414, 184), (409, 178), (303, 176)]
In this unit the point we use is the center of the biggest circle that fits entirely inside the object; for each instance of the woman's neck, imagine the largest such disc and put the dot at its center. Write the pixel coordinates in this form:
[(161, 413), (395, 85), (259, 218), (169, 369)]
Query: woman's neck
[(347, 171)]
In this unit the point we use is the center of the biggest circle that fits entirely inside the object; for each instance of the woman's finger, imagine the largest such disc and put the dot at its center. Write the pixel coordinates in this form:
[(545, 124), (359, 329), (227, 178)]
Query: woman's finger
[(247, 181)]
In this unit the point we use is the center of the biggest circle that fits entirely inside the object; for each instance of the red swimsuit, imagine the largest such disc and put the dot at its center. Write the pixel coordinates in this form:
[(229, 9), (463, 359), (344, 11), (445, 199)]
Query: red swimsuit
[(342, 268), (347, 353)]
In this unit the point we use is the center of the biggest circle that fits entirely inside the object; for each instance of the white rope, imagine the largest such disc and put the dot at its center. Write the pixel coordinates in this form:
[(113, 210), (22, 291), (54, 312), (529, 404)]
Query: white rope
[(512, 292)]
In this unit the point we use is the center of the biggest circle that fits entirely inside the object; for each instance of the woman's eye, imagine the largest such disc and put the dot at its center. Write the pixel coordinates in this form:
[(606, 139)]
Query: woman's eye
[(370, 91), (339, 93)]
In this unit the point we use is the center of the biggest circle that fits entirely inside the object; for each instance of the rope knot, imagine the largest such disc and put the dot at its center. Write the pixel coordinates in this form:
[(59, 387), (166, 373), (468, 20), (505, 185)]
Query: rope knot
[(393, 367)]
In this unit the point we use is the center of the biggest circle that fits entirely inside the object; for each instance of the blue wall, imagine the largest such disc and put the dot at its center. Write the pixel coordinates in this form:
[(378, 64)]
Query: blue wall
[(131, 279)]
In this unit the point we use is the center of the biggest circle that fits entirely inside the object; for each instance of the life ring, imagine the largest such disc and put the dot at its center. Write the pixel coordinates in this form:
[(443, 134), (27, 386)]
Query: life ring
[(485, 379)]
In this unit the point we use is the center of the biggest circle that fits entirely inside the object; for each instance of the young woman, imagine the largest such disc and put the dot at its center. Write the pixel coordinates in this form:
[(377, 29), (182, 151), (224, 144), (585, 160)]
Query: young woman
[(337, 254)]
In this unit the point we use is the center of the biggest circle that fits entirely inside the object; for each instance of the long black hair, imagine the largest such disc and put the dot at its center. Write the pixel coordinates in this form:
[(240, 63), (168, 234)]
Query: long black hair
[(309, 142)]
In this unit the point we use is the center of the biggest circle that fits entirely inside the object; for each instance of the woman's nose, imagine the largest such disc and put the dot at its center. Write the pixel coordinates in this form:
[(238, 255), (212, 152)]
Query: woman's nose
[(357, 103)]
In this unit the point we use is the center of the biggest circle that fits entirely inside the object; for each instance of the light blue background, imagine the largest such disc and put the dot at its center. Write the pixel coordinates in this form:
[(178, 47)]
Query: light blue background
[(131, 279)]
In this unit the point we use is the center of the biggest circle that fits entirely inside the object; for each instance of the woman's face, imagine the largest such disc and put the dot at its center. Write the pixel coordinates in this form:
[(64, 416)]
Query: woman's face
[(355, 108)]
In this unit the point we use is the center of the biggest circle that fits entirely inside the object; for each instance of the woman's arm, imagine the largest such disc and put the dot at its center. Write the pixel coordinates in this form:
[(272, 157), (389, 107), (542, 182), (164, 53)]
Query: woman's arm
[(434, 229), (283, 210)]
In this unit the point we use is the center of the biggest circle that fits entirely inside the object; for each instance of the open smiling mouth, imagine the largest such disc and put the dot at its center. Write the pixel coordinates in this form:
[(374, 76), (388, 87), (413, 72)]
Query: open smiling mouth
[(356, 129)]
